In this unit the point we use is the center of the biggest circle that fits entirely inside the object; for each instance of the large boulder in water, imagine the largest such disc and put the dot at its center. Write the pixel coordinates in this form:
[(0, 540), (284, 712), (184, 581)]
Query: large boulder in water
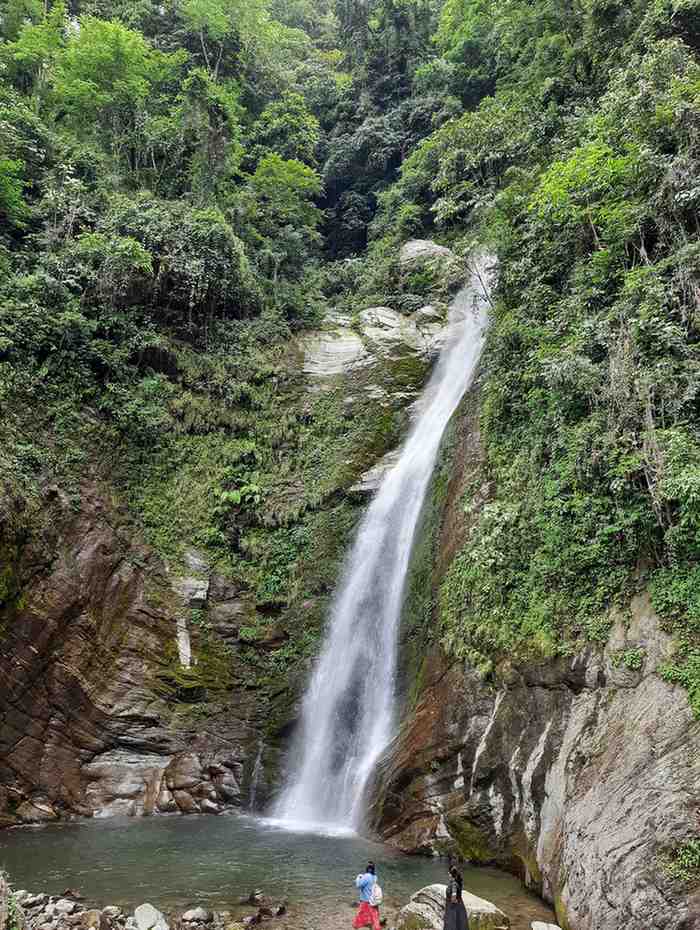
[(426, 911)]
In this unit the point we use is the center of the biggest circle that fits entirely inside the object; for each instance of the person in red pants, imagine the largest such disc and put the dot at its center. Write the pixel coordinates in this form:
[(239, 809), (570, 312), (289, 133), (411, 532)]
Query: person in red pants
[(370, 899)]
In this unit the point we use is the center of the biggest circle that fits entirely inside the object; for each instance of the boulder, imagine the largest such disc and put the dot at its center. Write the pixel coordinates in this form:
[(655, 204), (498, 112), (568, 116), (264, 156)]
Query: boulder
[(427, 315), (538, 925), (370, 480), (36, 811), (333, 352), (209, 807), (64, 906), (426, 911), (198, 915), (185, 802), (93, 920), (35, 900), (148, 917), (390, 333), (4, 900), (124, 782), (419, 251), (184, 772)]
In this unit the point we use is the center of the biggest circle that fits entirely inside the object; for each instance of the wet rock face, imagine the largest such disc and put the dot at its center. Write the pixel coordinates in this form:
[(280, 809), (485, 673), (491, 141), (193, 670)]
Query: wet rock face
[(577, 773), (83, 726)]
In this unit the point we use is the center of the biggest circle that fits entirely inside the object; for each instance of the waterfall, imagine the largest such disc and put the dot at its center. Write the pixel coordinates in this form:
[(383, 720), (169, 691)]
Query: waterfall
[(348, 710)]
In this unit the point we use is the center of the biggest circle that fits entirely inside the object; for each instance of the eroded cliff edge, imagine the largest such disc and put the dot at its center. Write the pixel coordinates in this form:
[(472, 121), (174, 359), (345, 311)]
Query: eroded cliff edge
[(89, 654), (577, 772)]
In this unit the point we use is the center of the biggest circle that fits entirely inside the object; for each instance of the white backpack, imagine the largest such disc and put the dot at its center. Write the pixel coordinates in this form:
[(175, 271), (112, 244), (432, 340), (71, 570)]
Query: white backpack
[(376, 897)]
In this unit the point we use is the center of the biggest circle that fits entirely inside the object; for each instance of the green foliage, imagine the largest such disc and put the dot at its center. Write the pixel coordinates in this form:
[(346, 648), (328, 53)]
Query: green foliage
[(574, 160), (632, 659), (277, 206), (287, 128), (684, 862), (686, 672), (13, 208)]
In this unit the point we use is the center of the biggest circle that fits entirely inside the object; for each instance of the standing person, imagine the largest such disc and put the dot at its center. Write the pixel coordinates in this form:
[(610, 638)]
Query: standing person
[(455, 912), (368, 912)]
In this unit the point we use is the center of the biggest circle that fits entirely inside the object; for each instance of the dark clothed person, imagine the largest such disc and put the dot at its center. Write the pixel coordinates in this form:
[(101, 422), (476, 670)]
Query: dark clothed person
[(455, 912)]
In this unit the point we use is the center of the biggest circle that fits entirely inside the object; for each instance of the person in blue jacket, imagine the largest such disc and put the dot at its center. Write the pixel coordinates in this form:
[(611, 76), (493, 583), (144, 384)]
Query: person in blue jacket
[(367, 914)]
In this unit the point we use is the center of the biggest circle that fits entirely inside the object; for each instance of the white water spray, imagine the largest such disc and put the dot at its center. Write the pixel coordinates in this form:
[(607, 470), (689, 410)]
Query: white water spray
[(348, 710)]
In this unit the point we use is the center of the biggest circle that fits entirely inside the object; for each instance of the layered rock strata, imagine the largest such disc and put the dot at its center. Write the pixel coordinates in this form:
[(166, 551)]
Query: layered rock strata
[(579, 773), (89, 649)]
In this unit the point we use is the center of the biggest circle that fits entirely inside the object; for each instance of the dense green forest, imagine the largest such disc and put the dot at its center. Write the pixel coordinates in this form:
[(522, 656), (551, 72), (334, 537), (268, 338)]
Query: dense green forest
[(185, 184)]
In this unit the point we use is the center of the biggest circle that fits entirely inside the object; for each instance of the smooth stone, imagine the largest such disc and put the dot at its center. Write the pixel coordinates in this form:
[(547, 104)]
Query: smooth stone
[(209, 807), (35, 900), (538, 925), (64, 906), (198, 915), (426, 911), (148, 917), (93, 920), (327, 354)]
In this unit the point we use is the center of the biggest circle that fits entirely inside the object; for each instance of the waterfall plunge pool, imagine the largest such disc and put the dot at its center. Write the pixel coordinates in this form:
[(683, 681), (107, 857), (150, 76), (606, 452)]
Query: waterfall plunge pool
[(175, 861)]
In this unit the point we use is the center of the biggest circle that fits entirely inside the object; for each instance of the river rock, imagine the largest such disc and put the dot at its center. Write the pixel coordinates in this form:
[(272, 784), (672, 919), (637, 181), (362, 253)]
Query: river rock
[(64, 906), (94, 919), (35, 900), (198, 915), (426, 911), (148, 917), (419, 251), (4, 900), (36, 811), (538, 925), (184, 772), (209, 807)]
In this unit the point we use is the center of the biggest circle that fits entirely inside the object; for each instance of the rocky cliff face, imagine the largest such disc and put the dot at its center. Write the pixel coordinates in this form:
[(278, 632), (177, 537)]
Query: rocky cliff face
[(578, 773), (131, 685), (86, 723)]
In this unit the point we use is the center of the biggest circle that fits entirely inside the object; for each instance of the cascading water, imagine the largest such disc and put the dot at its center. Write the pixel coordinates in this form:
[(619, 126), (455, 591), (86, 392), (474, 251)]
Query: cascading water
[(347, 713)]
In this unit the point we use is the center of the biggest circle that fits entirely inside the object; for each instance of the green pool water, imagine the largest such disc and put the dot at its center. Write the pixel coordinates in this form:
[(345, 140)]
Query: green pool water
[(175, 861)]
